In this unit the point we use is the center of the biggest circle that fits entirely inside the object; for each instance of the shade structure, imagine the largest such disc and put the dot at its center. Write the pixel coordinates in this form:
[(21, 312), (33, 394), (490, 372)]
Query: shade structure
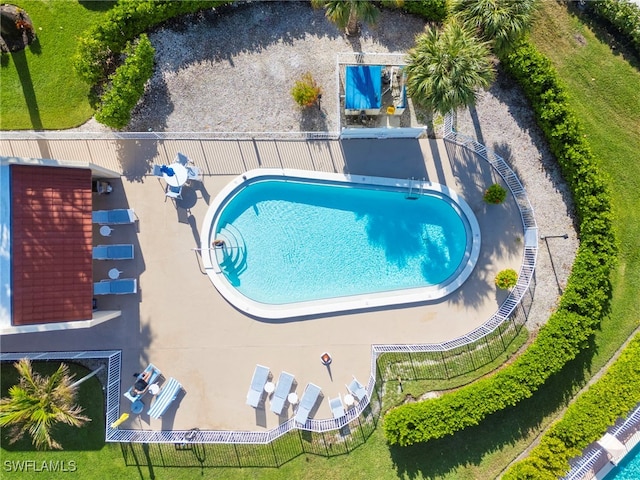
[(363, 88)]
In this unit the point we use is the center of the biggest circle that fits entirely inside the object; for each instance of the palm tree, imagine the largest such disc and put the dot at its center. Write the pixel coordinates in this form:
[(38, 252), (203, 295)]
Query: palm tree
[(502, 22), (38, 403), (446, 67), (347, 13)]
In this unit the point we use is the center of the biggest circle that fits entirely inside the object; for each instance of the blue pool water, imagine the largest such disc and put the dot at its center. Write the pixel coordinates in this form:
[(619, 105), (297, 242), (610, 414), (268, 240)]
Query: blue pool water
[(629, 468), (300, 241)]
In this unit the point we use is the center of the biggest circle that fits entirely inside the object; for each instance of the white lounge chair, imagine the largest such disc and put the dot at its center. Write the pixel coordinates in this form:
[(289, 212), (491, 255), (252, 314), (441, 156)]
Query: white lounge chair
[(113, 252), (337, 408), (357, 389), (282, 391), (114, 217), (120, 286), (155, 373), (259, 380), (307, 402), (168, 393)]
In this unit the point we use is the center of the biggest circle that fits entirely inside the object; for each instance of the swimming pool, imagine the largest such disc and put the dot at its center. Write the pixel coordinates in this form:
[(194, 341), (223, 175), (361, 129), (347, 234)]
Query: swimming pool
[(299, 243), (629, 468)]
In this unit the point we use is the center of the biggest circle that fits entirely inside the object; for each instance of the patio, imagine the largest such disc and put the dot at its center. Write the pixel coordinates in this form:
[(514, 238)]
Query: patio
[(180, 323)]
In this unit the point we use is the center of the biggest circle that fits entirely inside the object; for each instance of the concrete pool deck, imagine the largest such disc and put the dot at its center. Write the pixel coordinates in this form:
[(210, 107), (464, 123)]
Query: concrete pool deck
[(179, 322)]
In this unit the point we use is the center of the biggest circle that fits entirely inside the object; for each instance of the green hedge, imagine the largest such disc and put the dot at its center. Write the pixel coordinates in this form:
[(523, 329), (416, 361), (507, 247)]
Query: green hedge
[(98, 46), (127, 84), (588, 292), (586, 420), (433, 10), (623, 15)]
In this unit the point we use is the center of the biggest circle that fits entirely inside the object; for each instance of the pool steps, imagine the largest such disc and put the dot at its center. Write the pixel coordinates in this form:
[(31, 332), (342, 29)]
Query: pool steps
[(232, 256)]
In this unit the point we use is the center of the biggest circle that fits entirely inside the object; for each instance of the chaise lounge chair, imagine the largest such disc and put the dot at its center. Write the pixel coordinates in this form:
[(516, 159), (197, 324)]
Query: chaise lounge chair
[(114, 217), (280, 394), (165, 398), (260, 378), (121, 286), (155, 373), (308, 400), (337, 408), (113, 252), (357, 389)]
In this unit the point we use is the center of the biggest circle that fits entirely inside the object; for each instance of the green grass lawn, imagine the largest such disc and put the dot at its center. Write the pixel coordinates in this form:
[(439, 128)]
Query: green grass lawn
[(38, 88), (604, 90)]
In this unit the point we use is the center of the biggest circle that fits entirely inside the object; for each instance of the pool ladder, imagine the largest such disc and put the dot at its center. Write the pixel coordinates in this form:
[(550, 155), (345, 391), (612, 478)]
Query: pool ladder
[(413, 193)]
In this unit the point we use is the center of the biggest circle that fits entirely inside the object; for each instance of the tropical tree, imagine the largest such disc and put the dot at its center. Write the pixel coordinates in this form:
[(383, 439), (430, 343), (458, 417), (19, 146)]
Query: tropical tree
[(37, 403), (446, 67), (501, 22), (347, 13)]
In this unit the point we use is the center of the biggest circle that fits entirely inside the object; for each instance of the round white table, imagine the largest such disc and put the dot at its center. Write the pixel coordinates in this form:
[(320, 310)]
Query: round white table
[(269, 387), (154, 389), (105, 230), (349, 400), (293, 398), (180, 175), (114, 274)]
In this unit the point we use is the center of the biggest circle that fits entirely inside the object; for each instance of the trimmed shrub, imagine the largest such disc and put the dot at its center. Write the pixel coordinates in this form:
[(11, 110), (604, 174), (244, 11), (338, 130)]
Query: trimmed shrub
[(586, 420), (123, 23), (586, 297), (623, 15), (433, 10), (305, 91), (495, 194), (127, 84), (506, 279)]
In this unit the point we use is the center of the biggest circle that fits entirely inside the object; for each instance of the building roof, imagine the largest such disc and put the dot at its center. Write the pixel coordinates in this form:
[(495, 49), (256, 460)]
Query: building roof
[(51, 244)]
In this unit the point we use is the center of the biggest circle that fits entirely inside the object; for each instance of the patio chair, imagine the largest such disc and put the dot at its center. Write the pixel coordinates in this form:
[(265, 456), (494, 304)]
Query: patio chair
[(307, 402), (157, 171), (194, 174), (260, 378), (164, 399), (283, 388), (337, 408), (121, 286), (114, 217), (357, 389), (155, 373), (182, 159), (113, 252), (174, 192)]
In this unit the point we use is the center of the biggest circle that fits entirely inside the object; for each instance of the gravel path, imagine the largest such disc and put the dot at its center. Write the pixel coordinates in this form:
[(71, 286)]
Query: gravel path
[(232, 70)]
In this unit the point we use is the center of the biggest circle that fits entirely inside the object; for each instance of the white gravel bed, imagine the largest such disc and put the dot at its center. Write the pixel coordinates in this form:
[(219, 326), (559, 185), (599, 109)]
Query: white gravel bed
[(232, 71)]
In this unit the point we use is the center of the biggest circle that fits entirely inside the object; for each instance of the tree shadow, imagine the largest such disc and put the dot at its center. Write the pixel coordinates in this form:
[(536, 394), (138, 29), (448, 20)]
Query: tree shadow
[(22, 67)]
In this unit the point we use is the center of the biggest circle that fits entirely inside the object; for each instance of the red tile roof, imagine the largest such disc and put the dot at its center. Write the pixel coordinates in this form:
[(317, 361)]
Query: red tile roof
[(51, 244)]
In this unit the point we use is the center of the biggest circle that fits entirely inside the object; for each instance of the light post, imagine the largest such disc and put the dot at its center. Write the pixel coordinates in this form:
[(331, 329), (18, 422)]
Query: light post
[(553, 267)]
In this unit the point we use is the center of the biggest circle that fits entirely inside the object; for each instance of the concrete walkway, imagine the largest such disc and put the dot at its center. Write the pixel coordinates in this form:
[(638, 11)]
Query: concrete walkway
[(178, 320)]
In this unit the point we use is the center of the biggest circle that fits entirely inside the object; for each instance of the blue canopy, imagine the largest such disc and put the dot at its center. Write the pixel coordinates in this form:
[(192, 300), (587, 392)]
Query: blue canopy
[(363, 87)]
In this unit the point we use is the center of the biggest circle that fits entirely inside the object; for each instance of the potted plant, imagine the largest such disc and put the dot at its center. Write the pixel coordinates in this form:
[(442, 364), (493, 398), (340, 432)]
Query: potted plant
[(306, 91), (495, 194), (506, 279)]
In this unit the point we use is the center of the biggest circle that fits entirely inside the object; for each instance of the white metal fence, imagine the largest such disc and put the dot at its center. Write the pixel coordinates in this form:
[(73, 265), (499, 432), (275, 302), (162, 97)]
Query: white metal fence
[(505, 311)]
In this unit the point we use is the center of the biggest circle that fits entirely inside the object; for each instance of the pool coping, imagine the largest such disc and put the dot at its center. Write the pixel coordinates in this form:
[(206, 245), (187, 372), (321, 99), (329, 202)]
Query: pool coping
[(335, 305)]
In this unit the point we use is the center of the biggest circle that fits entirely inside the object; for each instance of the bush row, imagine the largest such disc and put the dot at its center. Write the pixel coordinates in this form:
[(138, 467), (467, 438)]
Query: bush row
[(586, 298), (98, 46), (432, 10), (623, 15), (586, 420), (127, 84)]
